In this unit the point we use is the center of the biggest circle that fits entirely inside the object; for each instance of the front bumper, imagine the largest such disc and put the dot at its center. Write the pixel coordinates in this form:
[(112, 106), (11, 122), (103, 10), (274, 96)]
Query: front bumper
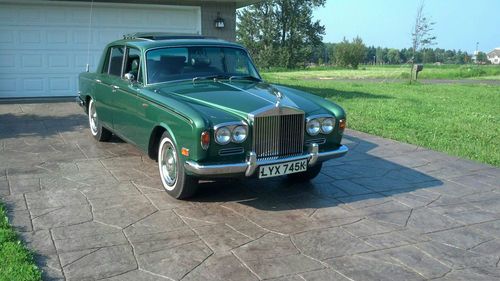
[(249, 167)]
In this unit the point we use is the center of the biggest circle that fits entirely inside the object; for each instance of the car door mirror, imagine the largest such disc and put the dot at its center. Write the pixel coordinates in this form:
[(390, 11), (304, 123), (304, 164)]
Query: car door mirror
[(129, 77)]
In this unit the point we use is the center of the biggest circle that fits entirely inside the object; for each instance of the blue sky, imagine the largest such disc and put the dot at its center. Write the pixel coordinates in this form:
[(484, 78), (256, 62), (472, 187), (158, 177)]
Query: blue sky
[(388, 23)]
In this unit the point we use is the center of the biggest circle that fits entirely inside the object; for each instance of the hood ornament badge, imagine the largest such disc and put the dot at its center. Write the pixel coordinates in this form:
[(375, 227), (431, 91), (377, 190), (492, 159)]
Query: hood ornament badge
[(279, 97)]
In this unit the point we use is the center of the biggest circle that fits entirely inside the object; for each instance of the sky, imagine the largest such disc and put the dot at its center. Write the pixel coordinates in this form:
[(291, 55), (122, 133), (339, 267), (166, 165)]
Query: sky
[(388, 23)]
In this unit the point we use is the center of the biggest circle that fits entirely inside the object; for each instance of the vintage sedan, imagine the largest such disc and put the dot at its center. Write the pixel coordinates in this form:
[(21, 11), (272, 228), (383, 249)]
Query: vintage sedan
[(200, 108)]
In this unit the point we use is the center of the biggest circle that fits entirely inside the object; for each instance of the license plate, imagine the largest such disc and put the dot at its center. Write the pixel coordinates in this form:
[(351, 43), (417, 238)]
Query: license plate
[(282, 169)]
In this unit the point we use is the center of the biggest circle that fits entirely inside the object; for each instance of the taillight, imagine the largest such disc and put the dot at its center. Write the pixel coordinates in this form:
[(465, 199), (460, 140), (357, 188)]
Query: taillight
[(205, 140)]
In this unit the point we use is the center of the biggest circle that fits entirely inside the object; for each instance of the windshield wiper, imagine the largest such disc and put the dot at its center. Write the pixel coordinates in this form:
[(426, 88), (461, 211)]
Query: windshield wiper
[(244, 77), (222, 76), (210, 77)]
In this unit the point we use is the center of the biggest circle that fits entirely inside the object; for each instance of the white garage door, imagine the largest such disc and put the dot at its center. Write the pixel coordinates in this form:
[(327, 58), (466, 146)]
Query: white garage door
[(44, 45)]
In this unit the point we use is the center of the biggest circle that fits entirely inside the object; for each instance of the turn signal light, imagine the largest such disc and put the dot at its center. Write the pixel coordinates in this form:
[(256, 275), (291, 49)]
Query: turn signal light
[(342, 124), (185, 151), (205, 140)]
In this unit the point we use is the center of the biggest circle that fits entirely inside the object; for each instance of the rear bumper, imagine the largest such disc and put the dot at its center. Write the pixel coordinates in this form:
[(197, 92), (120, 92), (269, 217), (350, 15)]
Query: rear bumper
[(81, 102), (249, 167)]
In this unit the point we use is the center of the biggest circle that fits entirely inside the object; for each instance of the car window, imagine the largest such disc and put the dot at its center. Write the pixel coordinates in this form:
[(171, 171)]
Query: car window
[(115, 61), (177, 63), (132, 64), (237, 62)]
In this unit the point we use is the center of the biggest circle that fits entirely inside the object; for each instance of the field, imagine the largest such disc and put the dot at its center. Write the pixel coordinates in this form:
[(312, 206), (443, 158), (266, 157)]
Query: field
[(16, 262), (459, 119), (391, 72)]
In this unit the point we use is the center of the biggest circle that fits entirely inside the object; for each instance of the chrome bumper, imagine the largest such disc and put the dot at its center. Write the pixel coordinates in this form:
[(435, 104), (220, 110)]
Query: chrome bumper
[(79, 101), (248, 167)]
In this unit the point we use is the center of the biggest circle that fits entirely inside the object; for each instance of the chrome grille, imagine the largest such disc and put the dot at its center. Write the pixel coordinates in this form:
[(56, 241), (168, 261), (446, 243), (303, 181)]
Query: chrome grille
[(278, 135)]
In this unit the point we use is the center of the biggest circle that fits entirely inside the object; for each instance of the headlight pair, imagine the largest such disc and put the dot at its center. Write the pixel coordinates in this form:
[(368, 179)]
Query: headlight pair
[(320, 124), (226, 133)]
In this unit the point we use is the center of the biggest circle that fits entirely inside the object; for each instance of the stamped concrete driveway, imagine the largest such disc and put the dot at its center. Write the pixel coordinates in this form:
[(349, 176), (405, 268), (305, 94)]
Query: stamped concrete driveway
[(387, 211)]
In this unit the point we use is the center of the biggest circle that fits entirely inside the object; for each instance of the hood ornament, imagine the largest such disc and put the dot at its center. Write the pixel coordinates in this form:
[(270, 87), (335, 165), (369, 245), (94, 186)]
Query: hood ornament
[(279, 97)]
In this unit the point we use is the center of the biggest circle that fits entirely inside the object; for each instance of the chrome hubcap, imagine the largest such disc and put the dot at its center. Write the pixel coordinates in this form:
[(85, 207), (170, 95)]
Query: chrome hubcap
[(169, 164), (93, 118)]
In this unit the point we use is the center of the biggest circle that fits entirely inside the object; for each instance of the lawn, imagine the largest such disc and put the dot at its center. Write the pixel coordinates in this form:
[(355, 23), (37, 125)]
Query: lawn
[(16, 261), (459, 119), (391, 72)]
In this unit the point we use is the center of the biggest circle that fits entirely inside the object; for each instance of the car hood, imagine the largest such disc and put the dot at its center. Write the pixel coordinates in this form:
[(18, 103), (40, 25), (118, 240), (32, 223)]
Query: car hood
[(238, 98)]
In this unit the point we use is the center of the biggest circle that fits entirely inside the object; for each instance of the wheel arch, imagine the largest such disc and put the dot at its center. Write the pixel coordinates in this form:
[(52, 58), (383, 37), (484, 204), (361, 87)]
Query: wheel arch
[(155, 138)]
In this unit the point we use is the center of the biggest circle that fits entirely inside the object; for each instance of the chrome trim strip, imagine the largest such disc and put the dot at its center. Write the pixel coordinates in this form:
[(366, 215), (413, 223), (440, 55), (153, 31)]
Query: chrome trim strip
[(248, 167)]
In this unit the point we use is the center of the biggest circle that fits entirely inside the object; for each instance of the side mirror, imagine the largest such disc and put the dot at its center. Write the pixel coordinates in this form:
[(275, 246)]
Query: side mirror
[(129, 77)]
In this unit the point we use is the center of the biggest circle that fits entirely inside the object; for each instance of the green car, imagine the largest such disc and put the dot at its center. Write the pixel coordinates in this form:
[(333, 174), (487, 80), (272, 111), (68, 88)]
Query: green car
[(200, 108)]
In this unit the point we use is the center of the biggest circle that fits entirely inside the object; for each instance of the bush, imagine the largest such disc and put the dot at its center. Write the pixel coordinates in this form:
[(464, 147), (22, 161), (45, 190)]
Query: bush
[(471, 71)]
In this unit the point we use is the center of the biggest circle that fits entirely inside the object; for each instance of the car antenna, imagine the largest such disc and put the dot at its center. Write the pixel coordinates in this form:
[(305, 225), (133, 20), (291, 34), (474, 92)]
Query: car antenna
[(87, 68)]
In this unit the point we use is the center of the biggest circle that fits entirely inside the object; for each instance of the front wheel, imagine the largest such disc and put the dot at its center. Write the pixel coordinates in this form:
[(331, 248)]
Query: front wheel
[(172, 174), (308, 175), (98, 131)]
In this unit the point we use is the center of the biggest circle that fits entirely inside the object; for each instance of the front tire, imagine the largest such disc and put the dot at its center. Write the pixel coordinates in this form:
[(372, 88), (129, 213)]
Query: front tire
[(308, 175), (172, 173), (98, 131)]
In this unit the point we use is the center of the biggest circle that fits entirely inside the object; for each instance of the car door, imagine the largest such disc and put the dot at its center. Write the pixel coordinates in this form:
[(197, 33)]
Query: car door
[(130, 118), (105, 85)]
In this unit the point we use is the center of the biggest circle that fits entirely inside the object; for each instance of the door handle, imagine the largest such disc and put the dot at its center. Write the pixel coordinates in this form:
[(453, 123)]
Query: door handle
[(98, 81), (115, 87)]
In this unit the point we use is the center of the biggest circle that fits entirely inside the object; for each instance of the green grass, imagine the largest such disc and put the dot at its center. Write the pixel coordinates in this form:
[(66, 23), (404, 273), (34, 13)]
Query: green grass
[(391, 72), (459, 119), (16, 261)]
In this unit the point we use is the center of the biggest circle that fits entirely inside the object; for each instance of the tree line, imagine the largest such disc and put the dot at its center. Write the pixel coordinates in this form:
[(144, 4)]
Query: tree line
[(351, 54)]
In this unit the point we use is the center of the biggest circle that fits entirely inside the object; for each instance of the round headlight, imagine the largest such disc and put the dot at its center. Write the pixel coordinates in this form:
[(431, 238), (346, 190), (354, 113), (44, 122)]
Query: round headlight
[(223, 135), (313, 127), (327, 125), (239, 134)]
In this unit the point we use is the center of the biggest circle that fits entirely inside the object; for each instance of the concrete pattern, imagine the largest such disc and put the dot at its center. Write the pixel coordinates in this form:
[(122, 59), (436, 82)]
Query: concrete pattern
[(387, 211)]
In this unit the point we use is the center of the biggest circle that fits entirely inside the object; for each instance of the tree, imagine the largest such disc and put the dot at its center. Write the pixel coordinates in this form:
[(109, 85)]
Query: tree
[(421, 35), (350, 53), (381, 55), (371, 53), (482, 58), (280, 32), (393, 56), (428, 55)]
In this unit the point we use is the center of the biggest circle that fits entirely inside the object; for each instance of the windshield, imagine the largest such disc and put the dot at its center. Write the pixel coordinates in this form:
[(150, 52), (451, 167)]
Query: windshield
[(178, 63)]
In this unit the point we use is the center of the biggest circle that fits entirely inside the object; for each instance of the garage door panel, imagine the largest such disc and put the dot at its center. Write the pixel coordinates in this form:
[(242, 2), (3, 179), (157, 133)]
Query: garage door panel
[(38, 85), (43, 47)]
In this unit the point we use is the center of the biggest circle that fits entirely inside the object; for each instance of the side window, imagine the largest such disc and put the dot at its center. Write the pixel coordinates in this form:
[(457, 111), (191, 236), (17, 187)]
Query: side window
[(115, 61), (133, 63)]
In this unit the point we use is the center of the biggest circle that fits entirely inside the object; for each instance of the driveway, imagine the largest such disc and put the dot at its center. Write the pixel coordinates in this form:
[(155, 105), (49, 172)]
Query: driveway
[(387, 211)]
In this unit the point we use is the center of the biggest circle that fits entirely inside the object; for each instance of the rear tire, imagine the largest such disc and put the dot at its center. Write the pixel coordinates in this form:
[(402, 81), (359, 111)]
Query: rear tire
[(172, 173), (96, 129), (308, 175)]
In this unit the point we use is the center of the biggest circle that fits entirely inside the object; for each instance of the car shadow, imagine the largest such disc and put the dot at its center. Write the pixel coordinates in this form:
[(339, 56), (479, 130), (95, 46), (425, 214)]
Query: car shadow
[(365, 173)]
